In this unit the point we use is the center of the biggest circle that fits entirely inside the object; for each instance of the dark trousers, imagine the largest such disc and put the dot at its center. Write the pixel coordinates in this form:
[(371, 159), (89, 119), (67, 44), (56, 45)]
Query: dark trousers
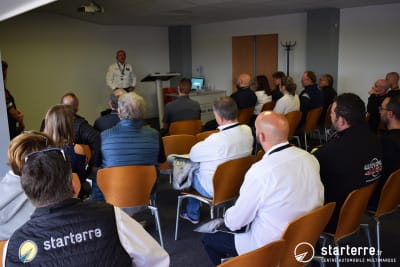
[(219, 245)]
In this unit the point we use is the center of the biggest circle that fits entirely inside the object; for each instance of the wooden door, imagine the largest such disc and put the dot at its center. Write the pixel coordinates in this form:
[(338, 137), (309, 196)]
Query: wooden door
[(255, 54)]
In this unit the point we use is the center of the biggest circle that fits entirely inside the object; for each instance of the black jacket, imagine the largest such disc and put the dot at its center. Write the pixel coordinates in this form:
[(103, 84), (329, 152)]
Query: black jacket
[(350, 160), (71, 233)]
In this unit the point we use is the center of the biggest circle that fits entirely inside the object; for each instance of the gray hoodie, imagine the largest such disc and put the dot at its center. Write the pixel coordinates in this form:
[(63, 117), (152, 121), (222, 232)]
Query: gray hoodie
[(15, 208)]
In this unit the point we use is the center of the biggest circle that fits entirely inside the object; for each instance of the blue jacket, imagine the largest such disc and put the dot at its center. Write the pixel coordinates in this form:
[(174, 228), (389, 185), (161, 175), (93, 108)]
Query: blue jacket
[(130, 143)]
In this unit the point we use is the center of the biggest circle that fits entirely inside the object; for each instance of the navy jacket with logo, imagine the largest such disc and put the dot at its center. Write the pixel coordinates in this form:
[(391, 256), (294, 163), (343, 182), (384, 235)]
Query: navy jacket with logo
[(71, 233)]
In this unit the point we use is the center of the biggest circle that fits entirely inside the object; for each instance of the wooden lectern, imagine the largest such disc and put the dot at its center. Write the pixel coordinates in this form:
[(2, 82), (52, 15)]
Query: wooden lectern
[(158, 78)]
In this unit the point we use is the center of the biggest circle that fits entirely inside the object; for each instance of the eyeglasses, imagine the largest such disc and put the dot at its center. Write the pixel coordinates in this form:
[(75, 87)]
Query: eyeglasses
[(46, 150)]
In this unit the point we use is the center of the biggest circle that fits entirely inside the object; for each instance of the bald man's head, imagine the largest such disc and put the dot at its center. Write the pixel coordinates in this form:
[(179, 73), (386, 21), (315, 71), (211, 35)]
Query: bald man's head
[(271, 129), (244, 80)]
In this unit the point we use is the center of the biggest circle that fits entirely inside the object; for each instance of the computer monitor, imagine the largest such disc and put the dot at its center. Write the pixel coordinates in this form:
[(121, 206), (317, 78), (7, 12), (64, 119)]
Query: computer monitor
[(197, 83)]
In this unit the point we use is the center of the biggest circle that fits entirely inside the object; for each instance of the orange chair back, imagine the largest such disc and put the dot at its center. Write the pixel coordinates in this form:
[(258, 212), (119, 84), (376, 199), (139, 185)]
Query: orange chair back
[(312, 119), (228, 178), (294, 118), (245, 114), (268, 106), (176, 144), (352, 210), (203, 135), (390, 195), (260, 154), (85, 150), (127, 186), (2, 244), (328, 122), (266, 256), (77, 183), (185, 127), (306, 228)]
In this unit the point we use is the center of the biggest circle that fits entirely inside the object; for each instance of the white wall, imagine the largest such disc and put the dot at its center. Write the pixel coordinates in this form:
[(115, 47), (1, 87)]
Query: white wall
[(50, 55), (212, 45), (4, 133), (369, 46)]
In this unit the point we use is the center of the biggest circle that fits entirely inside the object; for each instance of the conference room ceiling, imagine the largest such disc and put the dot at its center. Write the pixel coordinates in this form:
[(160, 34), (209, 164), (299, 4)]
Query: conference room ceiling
[(192, 12)]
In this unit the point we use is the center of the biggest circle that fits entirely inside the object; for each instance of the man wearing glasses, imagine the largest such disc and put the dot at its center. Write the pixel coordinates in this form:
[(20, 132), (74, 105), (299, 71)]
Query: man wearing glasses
[(377, 93), (352, 158), (66, 231), (390, 141)]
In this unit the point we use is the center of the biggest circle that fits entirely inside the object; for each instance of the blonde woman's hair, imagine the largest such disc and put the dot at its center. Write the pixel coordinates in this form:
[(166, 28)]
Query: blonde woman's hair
[(24, 144), (59, 124)]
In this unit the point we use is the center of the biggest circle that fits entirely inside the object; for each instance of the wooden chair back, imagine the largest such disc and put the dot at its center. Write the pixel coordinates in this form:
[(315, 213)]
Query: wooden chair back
[(176, 144), (203, 135), (260, 154), (327, 120), (77, 183), (266, 256), (228, 178), (127, 186), (185, 127), (294, 118), (352, 210), (268, 106), (2, 244), (390, 195), (245, 114), (85, 150), (306, 228), (312, 119)]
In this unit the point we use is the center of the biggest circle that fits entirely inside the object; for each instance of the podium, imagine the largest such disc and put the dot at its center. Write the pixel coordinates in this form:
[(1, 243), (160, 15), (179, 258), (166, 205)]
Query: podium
[(158, 78)]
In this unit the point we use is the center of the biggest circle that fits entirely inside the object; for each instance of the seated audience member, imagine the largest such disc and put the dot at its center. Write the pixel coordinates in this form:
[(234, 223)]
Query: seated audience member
[(377, 93), (277, 80), (393, 80), (352, 158), (59, 123), (263, 93), (15, 208), (66, 231), (183, 108), (108, 120), (290, 100), (84, 133), (131, 142), (390, 141), (231, 142), (311, 97), (244, 96), (325, 83), (283, 185)]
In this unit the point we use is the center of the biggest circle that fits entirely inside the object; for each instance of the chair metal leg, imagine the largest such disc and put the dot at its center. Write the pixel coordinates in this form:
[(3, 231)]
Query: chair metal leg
[(298, 140), (305, 142), (378, 242), (157, 219), (211, 212), (178, 209), (365, 228), (319, 259), (337, 260)]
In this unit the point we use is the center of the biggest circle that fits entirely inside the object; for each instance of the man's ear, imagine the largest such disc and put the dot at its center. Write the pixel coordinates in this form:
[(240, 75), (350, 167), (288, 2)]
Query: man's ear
[(261, 137)]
